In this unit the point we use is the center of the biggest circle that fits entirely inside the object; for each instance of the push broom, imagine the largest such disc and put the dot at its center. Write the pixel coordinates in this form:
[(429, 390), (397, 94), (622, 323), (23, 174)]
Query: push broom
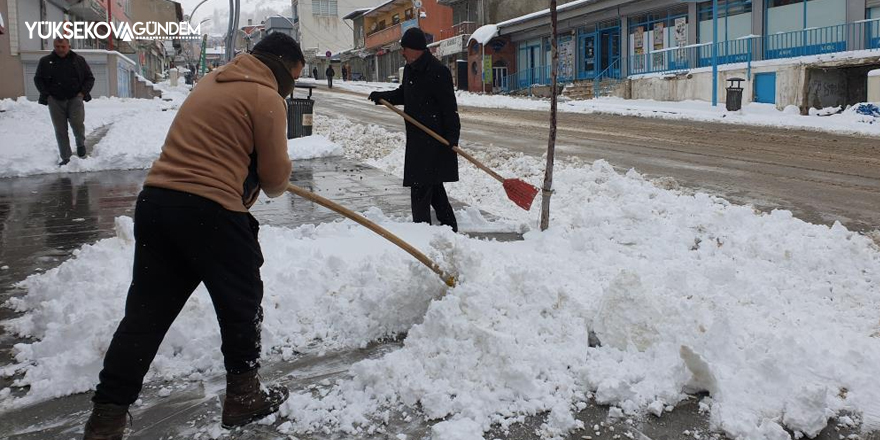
[(333, 206), (518, 191)]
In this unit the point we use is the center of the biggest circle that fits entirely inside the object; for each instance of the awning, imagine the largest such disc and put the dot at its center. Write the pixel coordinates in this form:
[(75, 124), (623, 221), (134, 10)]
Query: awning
[(484, 34)]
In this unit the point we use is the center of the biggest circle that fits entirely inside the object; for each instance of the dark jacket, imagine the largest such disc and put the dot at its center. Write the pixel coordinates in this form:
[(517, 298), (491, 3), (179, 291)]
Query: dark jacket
[(51, 80), (428, 95), (330, 72)]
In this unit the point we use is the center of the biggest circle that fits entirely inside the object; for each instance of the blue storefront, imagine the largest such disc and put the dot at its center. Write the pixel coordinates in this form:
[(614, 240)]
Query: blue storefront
[(657, 36)]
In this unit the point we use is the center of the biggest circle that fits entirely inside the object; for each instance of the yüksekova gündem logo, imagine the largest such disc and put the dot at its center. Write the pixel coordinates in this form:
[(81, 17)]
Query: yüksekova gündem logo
[(150, 30)]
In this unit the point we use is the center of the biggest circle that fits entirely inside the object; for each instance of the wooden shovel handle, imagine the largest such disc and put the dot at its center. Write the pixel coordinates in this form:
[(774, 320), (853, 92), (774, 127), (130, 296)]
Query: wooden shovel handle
[(333, 206), (443, 141)]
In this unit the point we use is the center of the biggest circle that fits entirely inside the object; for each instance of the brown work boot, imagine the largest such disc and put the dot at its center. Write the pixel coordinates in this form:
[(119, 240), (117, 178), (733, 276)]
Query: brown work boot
[(107, 422), (247, 400)]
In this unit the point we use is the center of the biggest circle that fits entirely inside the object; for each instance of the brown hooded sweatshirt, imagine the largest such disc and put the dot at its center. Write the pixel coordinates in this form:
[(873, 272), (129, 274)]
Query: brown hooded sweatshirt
[(232, 114)]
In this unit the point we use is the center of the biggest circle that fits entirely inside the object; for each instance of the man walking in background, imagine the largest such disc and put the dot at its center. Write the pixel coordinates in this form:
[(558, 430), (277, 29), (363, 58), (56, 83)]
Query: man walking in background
[(427, 94), (330, 73), (65, 82), (192, 226)]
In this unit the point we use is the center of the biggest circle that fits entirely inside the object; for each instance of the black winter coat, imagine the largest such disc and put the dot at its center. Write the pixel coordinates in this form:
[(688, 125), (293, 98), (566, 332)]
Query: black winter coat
[(428, 95), (49, 81)]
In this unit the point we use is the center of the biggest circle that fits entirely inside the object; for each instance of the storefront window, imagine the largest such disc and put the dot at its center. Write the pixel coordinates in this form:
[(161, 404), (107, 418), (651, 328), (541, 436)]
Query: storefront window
[(658, 30), (734, 20), (796, 15)]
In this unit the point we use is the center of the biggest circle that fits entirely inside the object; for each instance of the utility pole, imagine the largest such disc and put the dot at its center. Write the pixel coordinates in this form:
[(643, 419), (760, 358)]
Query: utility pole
[(551, 144)]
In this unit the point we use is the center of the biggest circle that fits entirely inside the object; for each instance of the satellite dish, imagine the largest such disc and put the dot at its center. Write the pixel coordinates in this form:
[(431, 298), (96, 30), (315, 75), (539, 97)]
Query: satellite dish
[(417, 4)]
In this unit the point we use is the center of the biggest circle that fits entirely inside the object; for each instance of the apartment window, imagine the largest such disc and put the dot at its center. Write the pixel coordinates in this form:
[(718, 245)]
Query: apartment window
[(324, 7), (395, 19), (408, 14)]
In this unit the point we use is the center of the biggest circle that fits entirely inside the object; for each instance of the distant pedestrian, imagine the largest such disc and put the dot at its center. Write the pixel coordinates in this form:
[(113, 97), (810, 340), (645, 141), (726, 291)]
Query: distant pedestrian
[(427, 94), (65, 82), (330, 73), (192, 226), (315, 72), (344, 73)]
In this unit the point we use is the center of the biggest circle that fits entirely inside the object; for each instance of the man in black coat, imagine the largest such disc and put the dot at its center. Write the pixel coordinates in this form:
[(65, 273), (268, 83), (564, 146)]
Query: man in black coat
[(330, 74), (427, 94), (65, 81)]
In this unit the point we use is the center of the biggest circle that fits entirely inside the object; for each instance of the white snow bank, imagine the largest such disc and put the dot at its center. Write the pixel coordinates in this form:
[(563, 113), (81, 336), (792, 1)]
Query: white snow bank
[(778, 319), (484, 34), (137, 129), (312, 147)]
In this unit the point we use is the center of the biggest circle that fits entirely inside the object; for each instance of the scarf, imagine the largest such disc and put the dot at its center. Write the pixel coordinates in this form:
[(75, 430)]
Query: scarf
[(279, 70)]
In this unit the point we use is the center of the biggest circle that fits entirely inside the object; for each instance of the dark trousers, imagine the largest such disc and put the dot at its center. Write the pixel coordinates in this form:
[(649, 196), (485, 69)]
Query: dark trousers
[(72, 111), (330, 82), (423, 197), (182, 240)]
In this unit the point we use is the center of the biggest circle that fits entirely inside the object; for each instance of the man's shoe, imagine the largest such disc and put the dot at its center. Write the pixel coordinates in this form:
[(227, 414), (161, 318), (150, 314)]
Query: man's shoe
[(107, 422), (63, 162), (247, 400), (81, 152)]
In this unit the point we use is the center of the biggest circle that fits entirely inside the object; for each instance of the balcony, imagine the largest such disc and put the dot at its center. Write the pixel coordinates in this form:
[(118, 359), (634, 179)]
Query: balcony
[(385, 36), (463, 28)]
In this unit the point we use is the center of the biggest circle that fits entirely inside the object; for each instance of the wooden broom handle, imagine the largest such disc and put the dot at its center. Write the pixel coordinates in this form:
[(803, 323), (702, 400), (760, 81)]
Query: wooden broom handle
[(333, 206), (442, 140)]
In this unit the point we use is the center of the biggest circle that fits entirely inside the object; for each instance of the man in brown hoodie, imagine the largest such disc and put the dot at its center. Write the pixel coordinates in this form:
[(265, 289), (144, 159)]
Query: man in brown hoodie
[(192, 225)]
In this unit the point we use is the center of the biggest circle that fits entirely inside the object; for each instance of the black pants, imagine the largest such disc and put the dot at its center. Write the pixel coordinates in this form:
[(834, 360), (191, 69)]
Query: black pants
[(330, 82), (182, 240), (423, 197)]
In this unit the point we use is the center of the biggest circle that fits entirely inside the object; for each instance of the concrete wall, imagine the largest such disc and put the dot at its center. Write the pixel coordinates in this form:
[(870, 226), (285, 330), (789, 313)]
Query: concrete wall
[(790, 86), (12, 85)]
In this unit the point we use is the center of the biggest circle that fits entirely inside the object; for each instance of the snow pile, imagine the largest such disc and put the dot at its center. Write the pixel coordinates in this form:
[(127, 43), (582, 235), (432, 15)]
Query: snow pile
[(135, 132), (312, 147), (326, 287), (777, 319)]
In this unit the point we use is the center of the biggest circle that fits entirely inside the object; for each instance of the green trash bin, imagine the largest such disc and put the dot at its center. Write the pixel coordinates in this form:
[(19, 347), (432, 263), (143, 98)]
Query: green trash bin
[(299, 114)]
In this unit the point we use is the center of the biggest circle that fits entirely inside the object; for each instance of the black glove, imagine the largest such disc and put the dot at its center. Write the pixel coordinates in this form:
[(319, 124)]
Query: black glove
[(375, 97)]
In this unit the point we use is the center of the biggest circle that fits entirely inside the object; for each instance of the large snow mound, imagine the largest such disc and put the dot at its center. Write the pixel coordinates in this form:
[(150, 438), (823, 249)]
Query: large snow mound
[(776, 318)]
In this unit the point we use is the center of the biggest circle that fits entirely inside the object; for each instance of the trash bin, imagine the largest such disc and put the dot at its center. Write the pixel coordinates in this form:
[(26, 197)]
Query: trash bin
[(299, 114), (734, 94)]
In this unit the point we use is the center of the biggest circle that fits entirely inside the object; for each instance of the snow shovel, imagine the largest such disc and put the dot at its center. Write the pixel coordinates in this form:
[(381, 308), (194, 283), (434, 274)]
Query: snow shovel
[(518, 191), (333, 206)]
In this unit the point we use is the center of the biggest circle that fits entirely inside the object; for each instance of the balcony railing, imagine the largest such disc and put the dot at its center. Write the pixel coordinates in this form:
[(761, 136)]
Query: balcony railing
[(860, 35), (383, 37), (463, 28)]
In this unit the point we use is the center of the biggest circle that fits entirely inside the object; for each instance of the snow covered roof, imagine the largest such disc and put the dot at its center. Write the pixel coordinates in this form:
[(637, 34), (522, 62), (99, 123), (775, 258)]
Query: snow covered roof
[(484, 34), (544, 12), (381, 6), (356, 13), (874, 73)]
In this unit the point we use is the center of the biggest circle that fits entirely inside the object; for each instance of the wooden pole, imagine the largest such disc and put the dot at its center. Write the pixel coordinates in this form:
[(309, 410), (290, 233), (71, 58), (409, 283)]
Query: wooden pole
[(551, 144), (447, 278)]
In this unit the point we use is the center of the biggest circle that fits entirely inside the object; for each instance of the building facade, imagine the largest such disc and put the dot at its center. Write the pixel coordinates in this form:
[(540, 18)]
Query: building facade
[(319, 26), (662, 49), (115, 72), (155, 57), (385, 24)]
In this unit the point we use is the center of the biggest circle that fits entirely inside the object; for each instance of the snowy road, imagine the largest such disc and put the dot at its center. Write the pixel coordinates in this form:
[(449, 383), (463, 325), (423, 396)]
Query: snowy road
[(820, 177)]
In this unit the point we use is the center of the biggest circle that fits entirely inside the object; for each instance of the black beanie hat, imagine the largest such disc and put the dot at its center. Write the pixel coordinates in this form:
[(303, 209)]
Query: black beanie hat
[(414, 38)]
